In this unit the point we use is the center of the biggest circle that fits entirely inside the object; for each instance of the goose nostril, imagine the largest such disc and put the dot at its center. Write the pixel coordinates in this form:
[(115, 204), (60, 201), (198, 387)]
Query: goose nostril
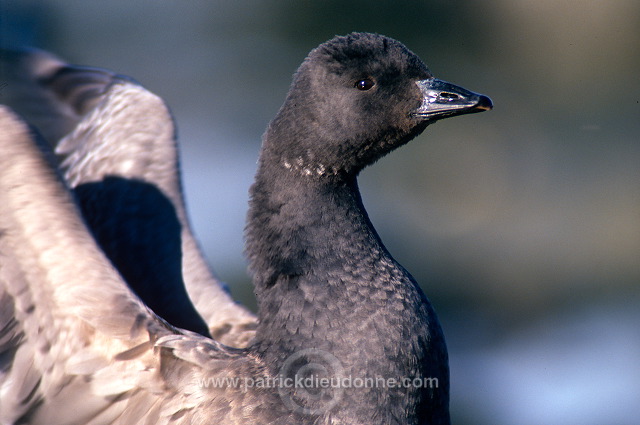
[(448, 96)]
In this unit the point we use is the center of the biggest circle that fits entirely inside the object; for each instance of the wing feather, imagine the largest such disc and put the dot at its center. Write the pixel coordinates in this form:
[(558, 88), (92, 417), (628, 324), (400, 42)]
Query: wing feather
[(118, 145), (76, 345)]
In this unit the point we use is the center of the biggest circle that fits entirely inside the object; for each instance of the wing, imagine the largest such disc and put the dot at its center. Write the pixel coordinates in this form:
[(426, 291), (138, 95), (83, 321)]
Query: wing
[(119, 154), (76, 346)]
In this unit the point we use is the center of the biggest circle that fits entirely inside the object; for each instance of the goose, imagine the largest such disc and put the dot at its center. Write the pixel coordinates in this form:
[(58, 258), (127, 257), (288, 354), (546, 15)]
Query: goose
[(344, 333)]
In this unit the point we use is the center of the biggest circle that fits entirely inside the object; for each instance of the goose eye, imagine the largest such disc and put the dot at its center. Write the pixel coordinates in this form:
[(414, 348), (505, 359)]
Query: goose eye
[(365, 84)]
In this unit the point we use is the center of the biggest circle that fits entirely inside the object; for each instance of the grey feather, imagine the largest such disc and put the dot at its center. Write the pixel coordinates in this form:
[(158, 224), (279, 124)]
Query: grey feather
[(118, 148), (76, 346)]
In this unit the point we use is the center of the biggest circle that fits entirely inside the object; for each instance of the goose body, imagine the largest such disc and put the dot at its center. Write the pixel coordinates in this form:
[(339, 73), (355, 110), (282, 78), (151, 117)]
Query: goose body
[(78, 346)]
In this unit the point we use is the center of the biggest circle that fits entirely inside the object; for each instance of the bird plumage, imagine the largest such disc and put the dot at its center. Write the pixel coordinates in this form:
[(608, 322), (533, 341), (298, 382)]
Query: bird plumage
[(76, 344), (117, 147)]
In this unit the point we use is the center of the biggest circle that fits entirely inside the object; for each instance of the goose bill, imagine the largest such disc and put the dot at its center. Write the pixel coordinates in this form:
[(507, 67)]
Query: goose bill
[(441, 99)]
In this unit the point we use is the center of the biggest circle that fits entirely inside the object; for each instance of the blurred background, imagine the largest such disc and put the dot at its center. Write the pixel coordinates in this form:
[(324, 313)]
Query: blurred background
[(522, 224)]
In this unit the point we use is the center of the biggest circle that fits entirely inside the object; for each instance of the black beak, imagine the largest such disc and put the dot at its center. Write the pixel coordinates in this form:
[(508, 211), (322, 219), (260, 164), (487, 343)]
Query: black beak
[(441, 99)]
